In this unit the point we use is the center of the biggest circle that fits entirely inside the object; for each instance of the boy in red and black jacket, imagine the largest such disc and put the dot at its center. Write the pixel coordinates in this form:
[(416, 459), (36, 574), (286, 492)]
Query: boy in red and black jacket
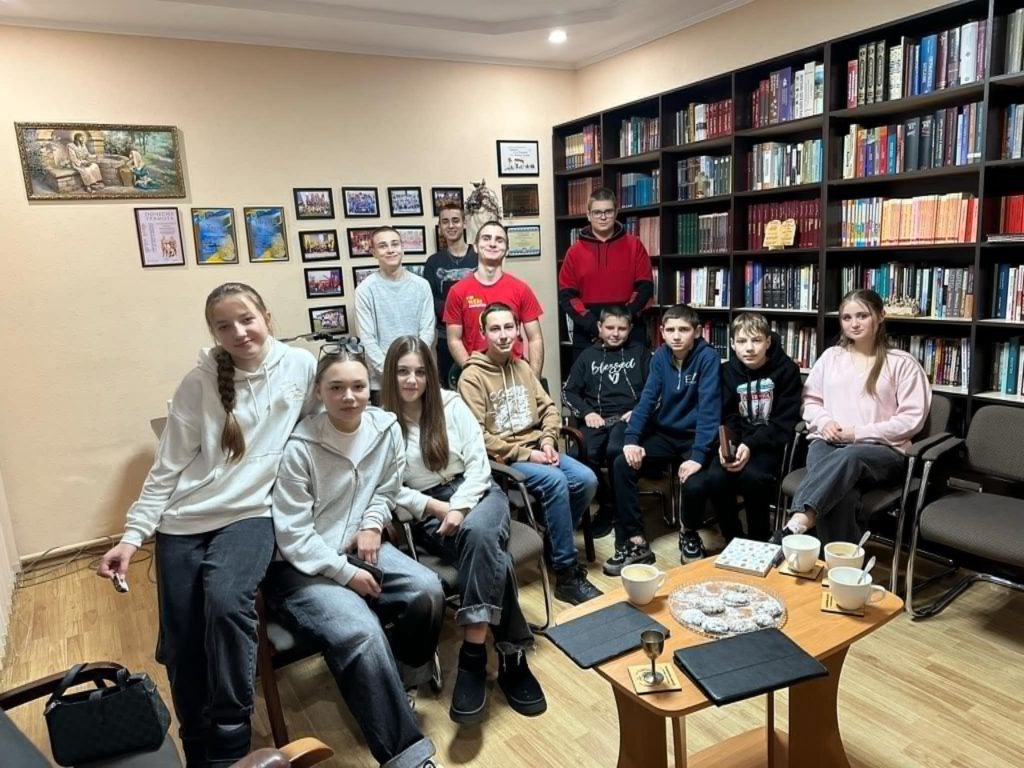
[(605, 267)]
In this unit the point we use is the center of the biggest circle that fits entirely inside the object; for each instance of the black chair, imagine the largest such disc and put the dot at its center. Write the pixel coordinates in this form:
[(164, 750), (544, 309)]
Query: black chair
[(890, 499), (986, 525)]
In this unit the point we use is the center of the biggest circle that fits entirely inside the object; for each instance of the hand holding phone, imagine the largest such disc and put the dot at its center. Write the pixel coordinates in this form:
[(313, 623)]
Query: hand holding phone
[(119, 582), (373, 570), (727, 443)]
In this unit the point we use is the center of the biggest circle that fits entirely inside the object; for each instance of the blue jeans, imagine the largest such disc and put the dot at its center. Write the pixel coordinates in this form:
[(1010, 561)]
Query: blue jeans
[(565, 491), (358, 653)]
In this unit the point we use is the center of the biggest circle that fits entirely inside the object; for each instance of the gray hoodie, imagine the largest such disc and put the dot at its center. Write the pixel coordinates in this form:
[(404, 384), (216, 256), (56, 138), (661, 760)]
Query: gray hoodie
[(192, 488), (321, 501)]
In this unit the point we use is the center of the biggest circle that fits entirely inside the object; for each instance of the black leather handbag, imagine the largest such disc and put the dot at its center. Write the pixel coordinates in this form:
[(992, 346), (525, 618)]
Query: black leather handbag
[(128, 716)]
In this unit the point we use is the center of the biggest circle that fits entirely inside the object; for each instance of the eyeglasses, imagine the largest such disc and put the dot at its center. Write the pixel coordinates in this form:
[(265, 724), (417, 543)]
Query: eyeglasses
[(607, 213), (350, 344)]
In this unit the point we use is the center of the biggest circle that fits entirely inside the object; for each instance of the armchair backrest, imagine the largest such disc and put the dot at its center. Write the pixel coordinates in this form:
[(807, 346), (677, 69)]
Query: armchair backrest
[(993, 442)]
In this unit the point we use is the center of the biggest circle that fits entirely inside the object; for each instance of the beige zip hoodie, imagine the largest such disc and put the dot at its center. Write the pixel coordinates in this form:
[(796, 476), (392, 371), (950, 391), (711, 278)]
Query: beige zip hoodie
[(514, 412)]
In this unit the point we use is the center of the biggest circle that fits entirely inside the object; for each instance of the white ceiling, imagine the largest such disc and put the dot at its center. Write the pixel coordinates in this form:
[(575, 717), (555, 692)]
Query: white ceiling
[(493, 31)]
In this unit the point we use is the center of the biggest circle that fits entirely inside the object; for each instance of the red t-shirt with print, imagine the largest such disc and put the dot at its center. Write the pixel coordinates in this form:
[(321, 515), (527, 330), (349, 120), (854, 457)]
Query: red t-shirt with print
[(469, 297)]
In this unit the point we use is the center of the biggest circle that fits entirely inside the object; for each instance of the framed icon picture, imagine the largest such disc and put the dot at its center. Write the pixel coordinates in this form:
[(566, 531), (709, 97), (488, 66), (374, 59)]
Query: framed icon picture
[(319, 244), (323, 281), (314, 203), (405, 201), (360, 201), (414, 240), (325, 319), (360, 242), (518, 158), (266, 234), (160, 241), (213, 230), (442, 195), (523, 240)]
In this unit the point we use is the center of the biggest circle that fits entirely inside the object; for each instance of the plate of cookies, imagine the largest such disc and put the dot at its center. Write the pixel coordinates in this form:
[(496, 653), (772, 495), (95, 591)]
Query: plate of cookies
[(725, 608)]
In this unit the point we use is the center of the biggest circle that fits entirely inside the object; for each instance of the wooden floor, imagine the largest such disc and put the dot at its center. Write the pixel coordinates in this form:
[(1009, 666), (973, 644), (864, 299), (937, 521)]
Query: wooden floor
[(944, 692)]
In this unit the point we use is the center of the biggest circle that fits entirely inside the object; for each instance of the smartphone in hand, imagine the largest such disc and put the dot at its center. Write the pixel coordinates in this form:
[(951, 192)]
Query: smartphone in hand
[(728, 442), (373, 570)]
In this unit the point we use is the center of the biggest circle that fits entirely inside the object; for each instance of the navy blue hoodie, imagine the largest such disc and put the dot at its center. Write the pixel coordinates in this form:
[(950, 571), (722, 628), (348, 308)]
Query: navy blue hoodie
[(685, 400)]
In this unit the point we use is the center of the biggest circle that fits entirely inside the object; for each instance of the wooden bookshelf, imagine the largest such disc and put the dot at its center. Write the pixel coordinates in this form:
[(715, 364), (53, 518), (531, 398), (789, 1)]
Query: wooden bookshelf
[(987, 178)]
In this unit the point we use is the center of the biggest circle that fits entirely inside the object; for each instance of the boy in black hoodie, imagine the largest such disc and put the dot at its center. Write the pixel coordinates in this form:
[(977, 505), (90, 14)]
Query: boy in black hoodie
[(602, 389), (761, 391)]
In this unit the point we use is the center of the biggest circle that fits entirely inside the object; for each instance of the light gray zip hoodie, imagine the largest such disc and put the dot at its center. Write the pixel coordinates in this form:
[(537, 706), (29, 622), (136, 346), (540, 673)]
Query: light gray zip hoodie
[(192, 488), (322, 500)]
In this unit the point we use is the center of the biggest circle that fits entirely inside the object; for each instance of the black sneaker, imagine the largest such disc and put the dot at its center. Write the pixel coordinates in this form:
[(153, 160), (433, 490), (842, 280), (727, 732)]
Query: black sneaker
[(691, 548), (573, 587), (602, 523), (469, 699), (521, 688), (779, 535), (629, 553)]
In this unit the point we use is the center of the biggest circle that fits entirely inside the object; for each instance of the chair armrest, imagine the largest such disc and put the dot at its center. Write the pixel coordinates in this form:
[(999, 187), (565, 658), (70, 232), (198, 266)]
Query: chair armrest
[(917, 448), (263, 758), (944, 448), (801, 428), (306, 751), (98, 670), (504, 473), (573, 434)]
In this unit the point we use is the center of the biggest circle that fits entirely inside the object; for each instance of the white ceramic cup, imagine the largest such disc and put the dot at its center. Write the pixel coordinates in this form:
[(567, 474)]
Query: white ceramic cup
[(641, 582), (801, 551), (843, 554), (848, 590)]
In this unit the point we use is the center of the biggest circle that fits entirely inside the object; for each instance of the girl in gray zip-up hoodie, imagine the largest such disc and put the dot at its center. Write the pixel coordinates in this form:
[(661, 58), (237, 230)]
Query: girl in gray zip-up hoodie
[(336, 489)]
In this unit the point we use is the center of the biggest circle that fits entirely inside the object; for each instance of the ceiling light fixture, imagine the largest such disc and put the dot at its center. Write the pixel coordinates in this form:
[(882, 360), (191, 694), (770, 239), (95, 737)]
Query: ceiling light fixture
[(557, 36)]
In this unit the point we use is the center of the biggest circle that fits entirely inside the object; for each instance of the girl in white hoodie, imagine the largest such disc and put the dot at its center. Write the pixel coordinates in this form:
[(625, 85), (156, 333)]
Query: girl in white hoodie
[(462, 516), (207, 499)]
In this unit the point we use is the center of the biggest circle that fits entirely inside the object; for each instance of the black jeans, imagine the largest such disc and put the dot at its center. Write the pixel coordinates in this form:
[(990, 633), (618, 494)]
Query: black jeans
[(603, 444), (757, 482), (206, 590), (625, 481)]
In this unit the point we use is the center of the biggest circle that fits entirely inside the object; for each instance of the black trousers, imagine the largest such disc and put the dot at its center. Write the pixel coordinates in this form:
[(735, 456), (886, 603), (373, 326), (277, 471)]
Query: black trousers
[(757, 483), (604, 445)]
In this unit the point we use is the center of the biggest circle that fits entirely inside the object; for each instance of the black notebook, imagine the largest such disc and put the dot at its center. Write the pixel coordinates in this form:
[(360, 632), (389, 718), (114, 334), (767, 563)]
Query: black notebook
[(603, 634), (739, 667)]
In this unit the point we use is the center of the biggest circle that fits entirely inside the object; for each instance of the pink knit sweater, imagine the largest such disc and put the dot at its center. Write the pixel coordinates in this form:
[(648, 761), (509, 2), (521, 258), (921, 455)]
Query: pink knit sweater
[(834, 391)]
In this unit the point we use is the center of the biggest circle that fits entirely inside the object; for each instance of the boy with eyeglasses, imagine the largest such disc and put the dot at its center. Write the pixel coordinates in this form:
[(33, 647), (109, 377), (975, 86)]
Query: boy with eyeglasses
[(605, 267)]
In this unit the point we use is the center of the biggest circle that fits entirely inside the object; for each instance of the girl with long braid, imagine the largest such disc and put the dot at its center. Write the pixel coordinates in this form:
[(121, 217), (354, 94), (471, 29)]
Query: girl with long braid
[(208, 500)]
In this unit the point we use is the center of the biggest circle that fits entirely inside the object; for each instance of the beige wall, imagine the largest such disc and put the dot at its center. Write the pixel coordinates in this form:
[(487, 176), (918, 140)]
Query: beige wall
[(9, 567), (755, 32), (92, 344)]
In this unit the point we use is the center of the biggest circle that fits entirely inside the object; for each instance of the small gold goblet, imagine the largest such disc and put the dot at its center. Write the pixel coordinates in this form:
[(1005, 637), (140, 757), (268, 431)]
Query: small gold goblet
[(653, 643)]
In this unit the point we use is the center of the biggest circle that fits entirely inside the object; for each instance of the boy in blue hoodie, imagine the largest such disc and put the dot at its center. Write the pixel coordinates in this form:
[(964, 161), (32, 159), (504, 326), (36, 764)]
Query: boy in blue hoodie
[(677, 418)]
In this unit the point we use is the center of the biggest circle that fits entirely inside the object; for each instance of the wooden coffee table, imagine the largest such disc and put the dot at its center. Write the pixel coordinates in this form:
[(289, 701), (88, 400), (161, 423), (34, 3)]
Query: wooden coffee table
[(813, 740)]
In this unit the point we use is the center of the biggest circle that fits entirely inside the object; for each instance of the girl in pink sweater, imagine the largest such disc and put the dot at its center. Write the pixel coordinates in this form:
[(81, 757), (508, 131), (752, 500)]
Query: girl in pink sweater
[(863, 402)]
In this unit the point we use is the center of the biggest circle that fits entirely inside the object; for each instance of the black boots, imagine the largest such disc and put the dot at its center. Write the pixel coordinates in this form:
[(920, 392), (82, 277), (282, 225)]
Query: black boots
[(469, 699)]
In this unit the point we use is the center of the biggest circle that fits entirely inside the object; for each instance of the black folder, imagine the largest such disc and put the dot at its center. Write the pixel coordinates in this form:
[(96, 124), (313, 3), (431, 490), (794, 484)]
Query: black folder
[(739, 667), (603, 634)]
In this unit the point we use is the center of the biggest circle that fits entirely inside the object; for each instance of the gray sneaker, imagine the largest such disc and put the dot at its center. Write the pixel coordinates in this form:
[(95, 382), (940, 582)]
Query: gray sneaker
[(629, 553)]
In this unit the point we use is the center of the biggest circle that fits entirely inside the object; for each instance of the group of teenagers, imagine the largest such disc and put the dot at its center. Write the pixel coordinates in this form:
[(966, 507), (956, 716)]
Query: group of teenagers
[(280, 471)]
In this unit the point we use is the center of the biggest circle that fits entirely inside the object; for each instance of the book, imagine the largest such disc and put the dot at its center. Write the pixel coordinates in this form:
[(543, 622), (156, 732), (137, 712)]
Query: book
[(748, 556)]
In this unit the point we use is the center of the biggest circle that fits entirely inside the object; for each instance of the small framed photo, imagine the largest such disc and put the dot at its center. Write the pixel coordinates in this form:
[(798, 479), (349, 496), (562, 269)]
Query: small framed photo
[(518, 158), (523, 240), (405, 201), (414, 240), (323, 319), (416, 269), (314, 203), (442, 195), (160, 242), (360, 242), (520, 200), (323, 281), (266, 233), (214, 232), (361, 273), (319, 244), (360, 201)]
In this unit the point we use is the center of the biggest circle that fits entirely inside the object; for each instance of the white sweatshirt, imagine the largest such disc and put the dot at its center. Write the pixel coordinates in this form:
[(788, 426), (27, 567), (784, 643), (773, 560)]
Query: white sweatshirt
[(192, 488), (466, 456)]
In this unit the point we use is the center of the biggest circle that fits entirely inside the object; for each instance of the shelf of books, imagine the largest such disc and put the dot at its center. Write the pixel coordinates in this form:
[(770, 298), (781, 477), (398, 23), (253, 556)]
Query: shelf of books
[(898, 151)]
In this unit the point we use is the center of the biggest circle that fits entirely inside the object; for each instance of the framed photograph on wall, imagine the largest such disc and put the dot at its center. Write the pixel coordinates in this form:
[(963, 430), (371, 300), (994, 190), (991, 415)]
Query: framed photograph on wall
[(361, 273), (442, 195), (317, 203), (405, 201), (360, 242), (360, 201), (265, 230), (213, 230), (416, 269), (319, 244), (523, 240), (93, 161), (518, 158), (520, 200), (333, 318), (323, 281), (160, 242), (414, 240)]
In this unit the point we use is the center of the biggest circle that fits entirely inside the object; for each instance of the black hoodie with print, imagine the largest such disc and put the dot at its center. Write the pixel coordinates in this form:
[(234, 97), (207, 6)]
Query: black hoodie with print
[(762, 407), (606, 381)]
